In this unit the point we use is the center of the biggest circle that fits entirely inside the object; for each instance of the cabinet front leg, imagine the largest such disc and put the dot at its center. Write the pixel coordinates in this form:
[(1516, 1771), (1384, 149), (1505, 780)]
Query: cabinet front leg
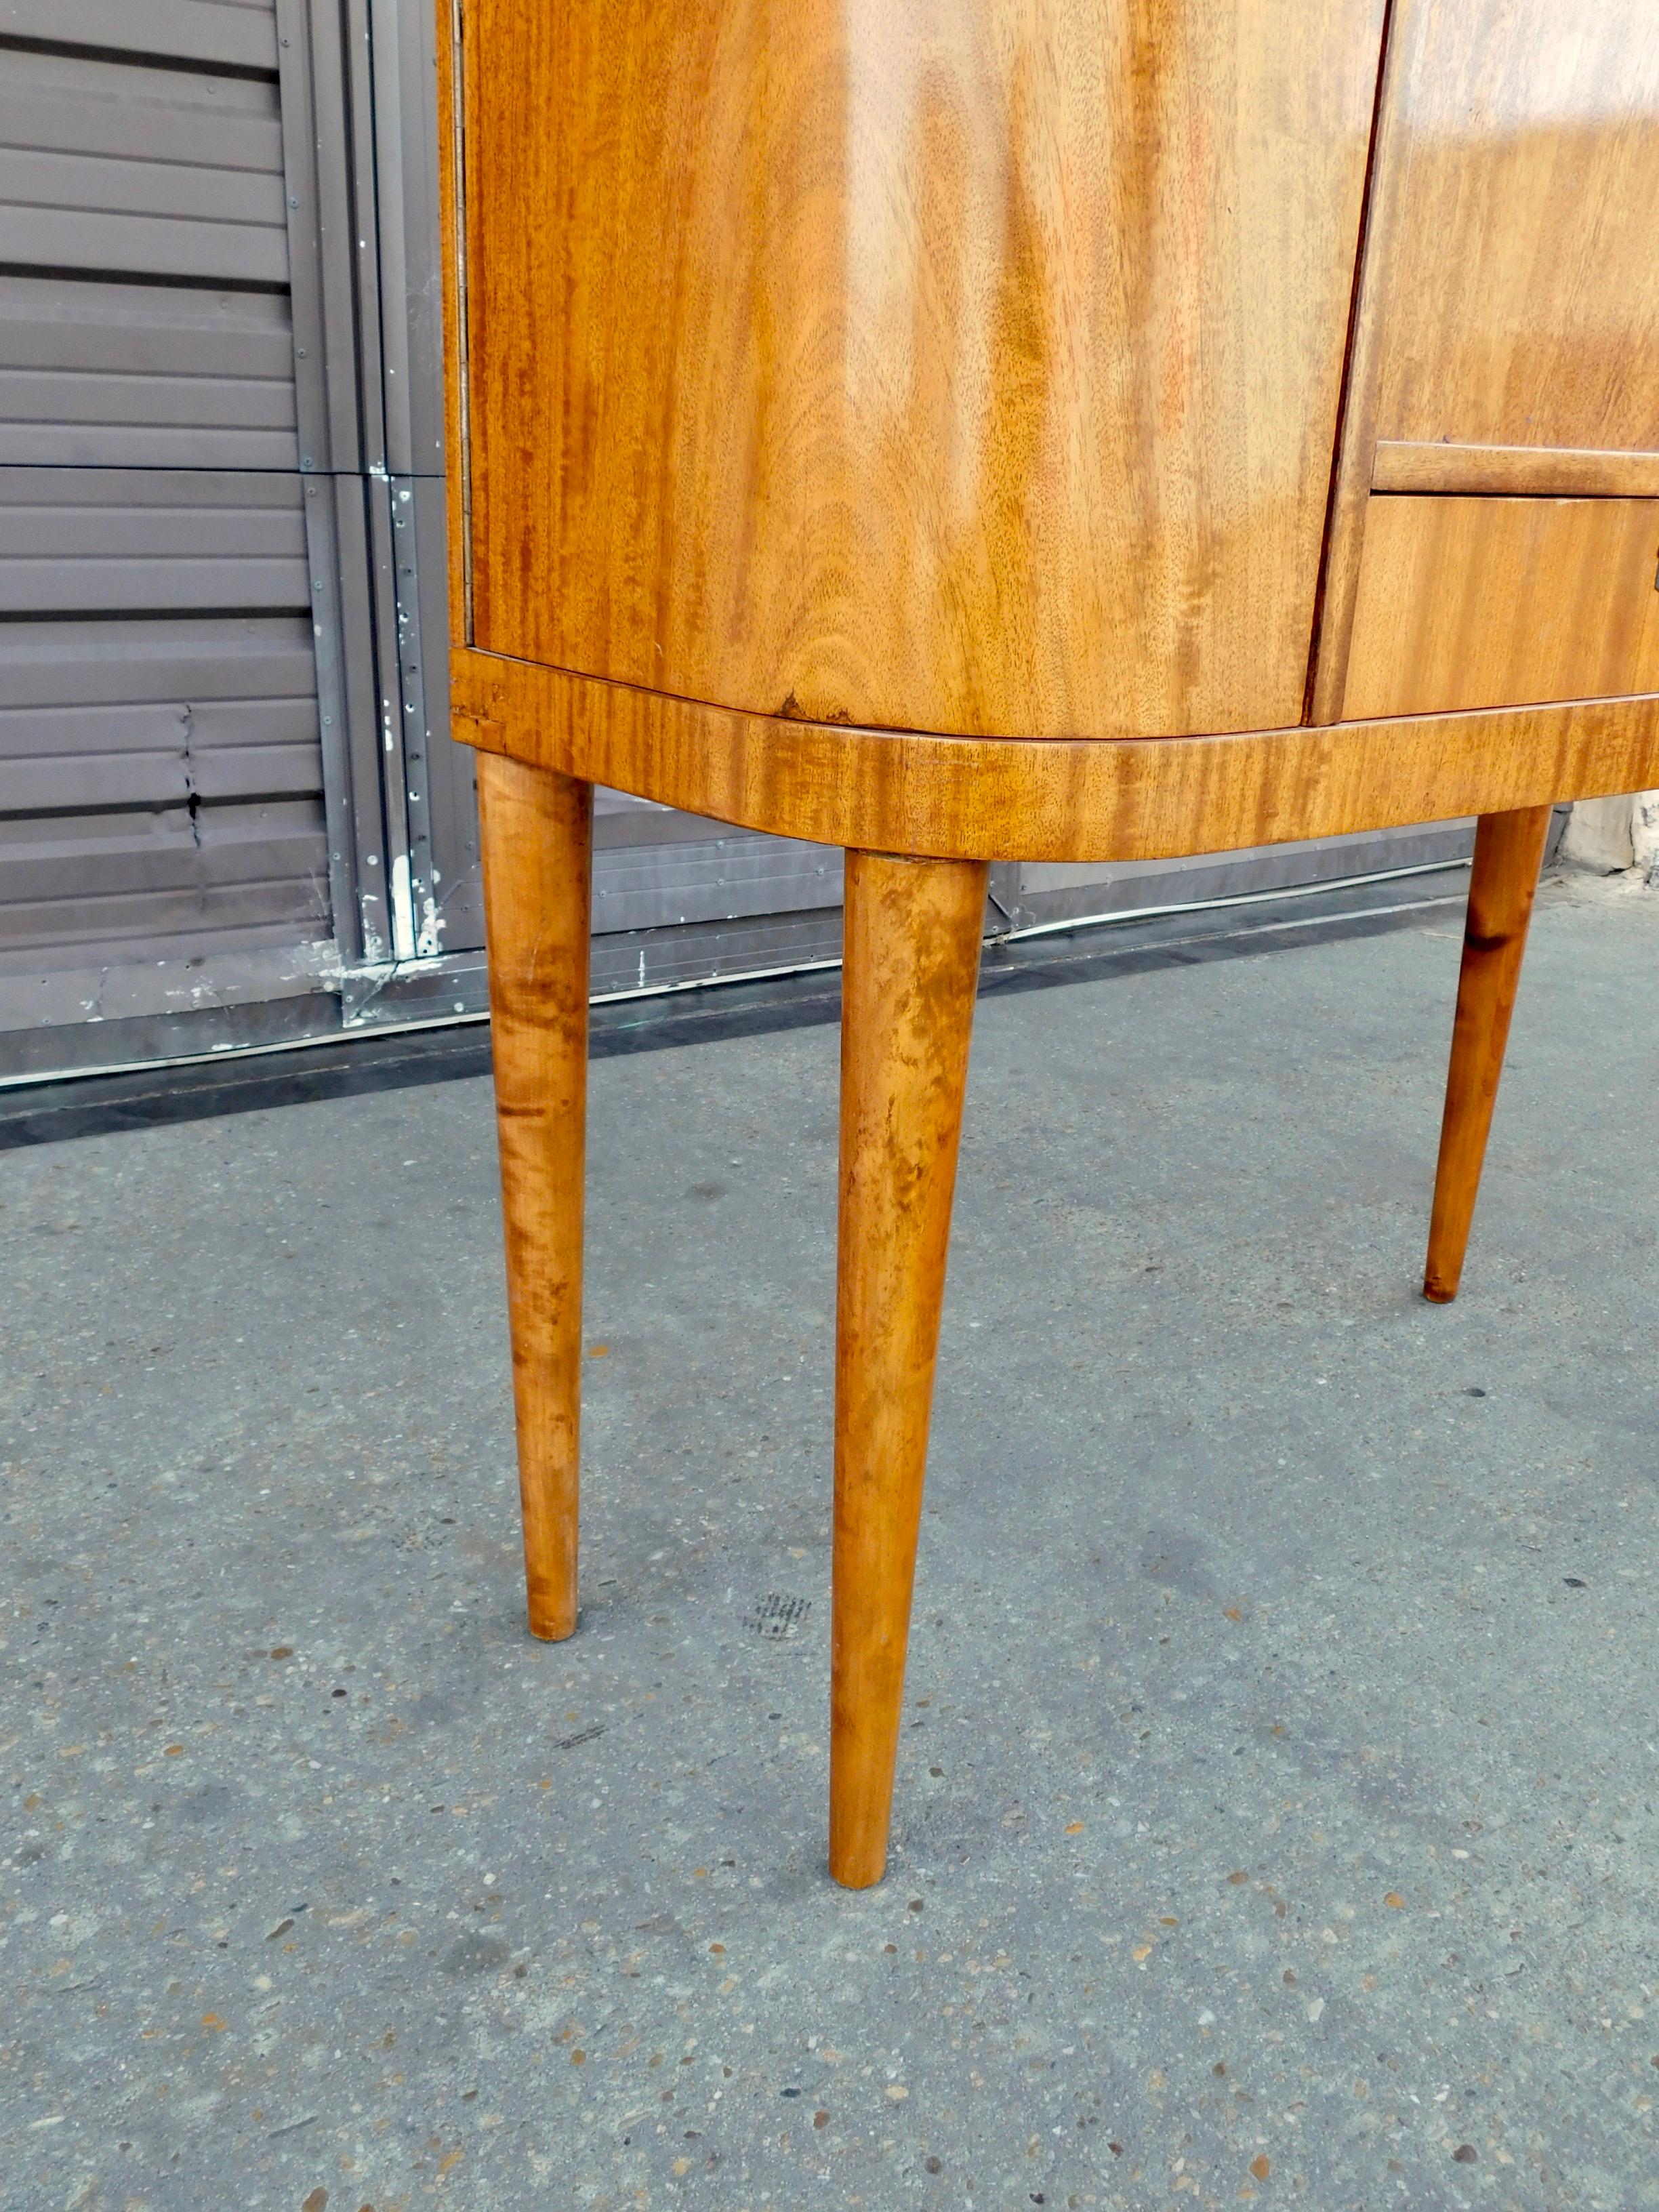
[(1509, 851), (536, 833), (911, 969)]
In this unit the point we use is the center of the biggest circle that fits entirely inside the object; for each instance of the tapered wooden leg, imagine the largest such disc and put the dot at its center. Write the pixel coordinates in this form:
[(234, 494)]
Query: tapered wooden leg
[(537, 840), (912, 966), (1509, 851)]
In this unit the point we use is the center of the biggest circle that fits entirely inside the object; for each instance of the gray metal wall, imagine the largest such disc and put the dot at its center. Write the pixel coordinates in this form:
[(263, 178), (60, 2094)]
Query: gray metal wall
[(220, 449), (161, 773), (229, 809)]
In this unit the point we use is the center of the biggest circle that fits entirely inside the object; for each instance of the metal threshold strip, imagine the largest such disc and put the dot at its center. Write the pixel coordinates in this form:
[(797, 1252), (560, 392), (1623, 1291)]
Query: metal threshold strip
[(1115, 919), (1123, 915)]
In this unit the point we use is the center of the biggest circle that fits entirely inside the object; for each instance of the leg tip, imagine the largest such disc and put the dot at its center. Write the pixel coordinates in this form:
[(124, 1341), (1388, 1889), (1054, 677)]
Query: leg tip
[(1438, 1293), (853, 1873), (858, 1846), (549, 1627)]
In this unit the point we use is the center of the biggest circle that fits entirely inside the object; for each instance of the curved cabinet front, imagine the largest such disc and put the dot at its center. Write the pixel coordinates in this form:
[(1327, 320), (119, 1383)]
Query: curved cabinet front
[(964, 365)]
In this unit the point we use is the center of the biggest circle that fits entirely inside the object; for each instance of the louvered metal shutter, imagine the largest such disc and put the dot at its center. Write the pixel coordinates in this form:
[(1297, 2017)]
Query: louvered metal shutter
[(162, 824)]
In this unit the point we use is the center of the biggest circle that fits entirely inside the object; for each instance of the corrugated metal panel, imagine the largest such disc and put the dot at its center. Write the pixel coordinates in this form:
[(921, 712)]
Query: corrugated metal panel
[(144, 376), (212, 626), (119, 714), (144, 541), (162, 782), (147, 541), (162, 843), (165, 871), (234, 34), (168, 172), (720, 878)]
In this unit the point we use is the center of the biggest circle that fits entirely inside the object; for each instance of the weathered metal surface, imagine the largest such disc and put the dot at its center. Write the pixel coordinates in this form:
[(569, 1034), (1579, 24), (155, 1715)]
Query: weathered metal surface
[(145, 541), (163, 845), (110, 167), (235, 34), (97, 375), (189, 872), (720, 878), (163, 793), (1055, 890), (103, 715)]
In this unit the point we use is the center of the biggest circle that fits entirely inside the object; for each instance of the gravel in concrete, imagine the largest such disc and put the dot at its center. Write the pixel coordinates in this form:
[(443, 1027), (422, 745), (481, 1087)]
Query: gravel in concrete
[(1276, 1799)]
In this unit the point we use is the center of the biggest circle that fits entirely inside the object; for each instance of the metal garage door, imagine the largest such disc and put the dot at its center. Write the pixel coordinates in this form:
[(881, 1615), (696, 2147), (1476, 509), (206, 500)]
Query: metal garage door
[(159, 761), (219, 454)]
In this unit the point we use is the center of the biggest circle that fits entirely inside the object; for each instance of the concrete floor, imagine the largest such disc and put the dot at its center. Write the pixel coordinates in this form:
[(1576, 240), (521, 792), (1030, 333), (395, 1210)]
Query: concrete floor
[(1276, 1799)]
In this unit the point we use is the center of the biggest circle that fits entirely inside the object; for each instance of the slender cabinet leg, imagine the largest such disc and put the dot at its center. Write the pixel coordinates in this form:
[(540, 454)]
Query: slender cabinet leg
[(1509, 851), (536, 830), (911, 969)]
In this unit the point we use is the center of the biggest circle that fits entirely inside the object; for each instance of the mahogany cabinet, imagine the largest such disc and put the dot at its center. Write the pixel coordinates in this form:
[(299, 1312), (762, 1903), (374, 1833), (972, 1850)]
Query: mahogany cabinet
[(1057, 429)]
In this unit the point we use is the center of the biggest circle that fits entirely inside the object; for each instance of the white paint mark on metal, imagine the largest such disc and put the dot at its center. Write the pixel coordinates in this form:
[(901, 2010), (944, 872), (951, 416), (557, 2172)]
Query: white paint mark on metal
[(429, 942), (403, 910)]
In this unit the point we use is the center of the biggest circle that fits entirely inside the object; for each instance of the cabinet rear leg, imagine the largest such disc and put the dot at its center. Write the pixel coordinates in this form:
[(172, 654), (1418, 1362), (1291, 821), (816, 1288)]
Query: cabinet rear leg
[(1509, 851)]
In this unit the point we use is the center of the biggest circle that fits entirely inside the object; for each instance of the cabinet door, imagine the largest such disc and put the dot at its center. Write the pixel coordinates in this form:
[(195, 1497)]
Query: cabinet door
[(1509, 306), (1502, 603), (959, 365), (1520, 305)]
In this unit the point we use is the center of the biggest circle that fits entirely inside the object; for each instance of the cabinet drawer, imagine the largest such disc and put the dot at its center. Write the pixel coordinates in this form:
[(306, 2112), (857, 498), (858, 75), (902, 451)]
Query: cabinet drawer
[(1502, 603)]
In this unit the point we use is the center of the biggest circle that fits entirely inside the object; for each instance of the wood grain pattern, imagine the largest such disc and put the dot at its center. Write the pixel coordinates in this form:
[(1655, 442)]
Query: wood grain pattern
[(911, 967), (452, 145), (1502, 602), (1521, 307), (1351, 477), (536, 833), (1040, 799), (1509, 851), (1514, 472), (1508, 296), (967, 368)]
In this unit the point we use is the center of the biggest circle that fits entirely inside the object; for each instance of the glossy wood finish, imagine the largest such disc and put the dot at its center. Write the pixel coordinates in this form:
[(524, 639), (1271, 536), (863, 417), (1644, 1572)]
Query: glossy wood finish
[(987, 429), (1509, 851), (958, 366), (911, 968), (1509, 296), (1521, 308), (451, 164), (1535, 471), (1504, 602), (536, 833), (1356, 446), (989, 799)]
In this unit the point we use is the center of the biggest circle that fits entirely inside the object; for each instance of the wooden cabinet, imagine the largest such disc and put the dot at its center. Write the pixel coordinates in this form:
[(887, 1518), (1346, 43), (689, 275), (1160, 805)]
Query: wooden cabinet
[(977, 369), (1053, 429), (959, 368)]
